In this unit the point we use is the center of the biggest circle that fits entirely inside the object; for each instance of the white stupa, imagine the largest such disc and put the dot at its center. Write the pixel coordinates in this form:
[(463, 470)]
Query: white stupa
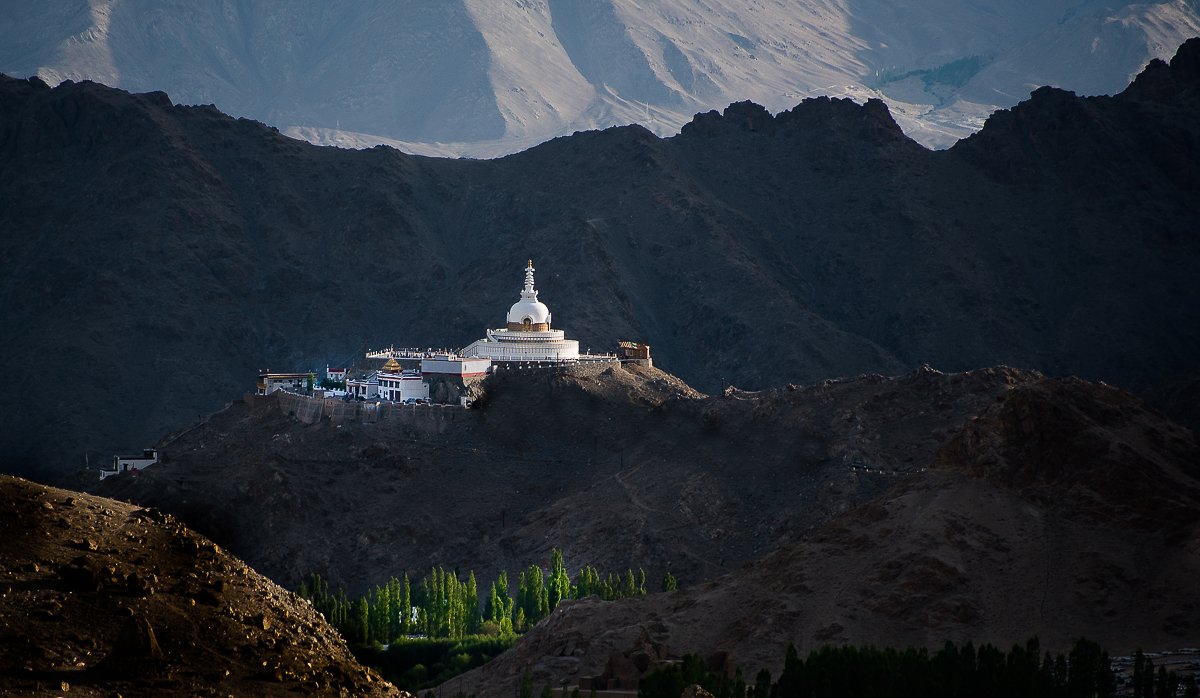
[(528, 336)]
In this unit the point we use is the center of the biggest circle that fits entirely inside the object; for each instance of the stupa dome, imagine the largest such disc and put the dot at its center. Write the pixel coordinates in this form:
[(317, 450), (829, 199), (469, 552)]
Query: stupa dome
[(529, 313), (529, 308)]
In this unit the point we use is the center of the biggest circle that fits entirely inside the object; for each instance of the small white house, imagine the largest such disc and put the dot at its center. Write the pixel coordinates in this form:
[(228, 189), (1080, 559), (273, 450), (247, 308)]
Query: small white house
[(335, 374), (128, 464), (365, 388)]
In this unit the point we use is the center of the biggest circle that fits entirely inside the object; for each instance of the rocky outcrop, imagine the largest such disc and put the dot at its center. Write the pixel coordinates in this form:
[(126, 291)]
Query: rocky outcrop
[(99, 596), (454, 390), (871, 122), (620, 467), (1095, 452)]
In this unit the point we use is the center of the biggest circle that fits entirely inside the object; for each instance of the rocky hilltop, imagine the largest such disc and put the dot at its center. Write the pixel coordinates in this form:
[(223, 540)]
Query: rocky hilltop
[(99, 597), (623, 469), (166, 253), (1063, 509)]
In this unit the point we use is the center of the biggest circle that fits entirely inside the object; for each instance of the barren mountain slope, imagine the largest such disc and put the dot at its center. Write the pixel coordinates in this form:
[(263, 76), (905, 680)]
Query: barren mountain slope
[(1065, 509), (173, 251), (1096, 52), (619, 470), (488, 78), (99, 598), (1178, 397)]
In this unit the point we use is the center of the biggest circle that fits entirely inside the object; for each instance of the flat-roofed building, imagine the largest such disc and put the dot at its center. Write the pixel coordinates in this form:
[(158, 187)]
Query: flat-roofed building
[(292, 382), (454, 365), (130, 464), (398, 385), (366, 387)]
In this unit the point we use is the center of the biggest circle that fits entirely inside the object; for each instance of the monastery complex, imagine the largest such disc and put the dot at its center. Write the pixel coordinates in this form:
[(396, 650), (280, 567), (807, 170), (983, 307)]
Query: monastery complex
[(382, 382), (527, 341)]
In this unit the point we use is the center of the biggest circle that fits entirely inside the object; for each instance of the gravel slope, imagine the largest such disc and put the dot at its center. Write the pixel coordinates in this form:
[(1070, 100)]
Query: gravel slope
[(99, 597)]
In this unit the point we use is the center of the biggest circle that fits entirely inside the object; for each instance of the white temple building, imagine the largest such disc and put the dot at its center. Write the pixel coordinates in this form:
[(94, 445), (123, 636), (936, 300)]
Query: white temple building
[(528, 336)]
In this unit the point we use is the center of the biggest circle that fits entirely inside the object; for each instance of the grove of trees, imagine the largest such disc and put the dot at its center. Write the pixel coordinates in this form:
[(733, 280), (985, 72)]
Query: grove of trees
[(445, 605)]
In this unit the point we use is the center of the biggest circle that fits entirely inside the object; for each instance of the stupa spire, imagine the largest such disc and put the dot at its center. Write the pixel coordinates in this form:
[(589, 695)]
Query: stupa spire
[(529, 277)]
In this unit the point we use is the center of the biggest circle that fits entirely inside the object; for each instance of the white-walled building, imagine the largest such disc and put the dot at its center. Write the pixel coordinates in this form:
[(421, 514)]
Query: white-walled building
[(366, 387), (335, 374), (400, 385), (127, 464), (454, 365), (528, 336)]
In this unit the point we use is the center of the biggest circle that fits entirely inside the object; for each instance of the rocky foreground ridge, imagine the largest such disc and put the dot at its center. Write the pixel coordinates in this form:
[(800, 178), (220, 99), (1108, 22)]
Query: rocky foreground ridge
[(1063, 509), (100, 598), (174, 251)]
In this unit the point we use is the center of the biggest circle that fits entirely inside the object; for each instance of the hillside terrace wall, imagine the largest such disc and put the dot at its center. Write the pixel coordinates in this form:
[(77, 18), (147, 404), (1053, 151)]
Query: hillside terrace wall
[(310, 410)]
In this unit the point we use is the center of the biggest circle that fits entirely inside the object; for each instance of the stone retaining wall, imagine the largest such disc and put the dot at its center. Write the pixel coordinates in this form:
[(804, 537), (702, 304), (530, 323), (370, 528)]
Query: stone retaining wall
[(312, 409)]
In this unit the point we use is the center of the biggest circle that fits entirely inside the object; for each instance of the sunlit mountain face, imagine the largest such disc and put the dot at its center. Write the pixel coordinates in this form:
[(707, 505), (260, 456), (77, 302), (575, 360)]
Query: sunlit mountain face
[(488, 77)]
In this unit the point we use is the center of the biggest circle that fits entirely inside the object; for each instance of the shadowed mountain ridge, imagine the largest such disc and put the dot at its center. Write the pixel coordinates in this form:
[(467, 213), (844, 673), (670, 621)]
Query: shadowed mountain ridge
[(174, 251)]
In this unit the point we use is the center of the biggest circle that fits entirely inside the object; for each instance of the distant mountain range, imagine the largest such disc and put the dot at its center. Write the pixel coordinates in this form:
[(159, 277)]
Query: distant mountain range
[(156, 256), (484, 78)]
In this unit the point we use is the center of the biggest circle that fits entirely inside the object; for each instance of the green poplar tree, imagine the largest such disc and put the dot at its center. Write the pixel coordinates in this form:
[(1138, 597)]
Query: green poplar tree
[(458, 605), (502, 584), (439, 602), (668, 583), (522, 594), (360, 626), (630, 587), (424, 618), (471, 598), (503, 608), (492, 608), (559, 587), (375, 604), (406, 609), (583, 584)]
